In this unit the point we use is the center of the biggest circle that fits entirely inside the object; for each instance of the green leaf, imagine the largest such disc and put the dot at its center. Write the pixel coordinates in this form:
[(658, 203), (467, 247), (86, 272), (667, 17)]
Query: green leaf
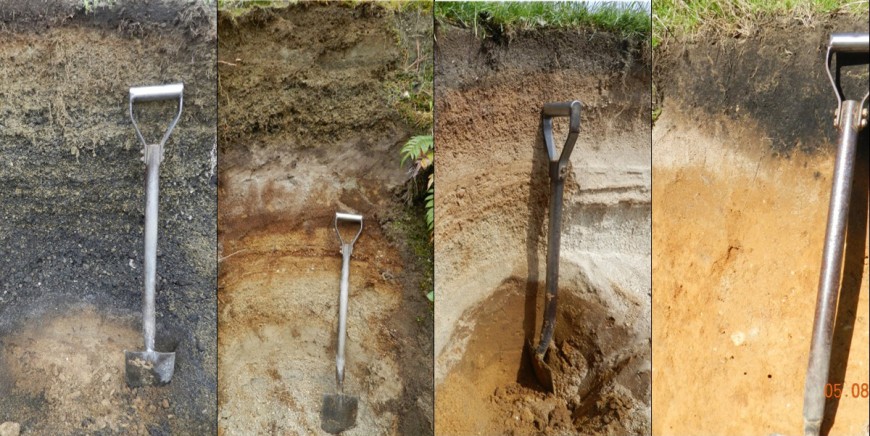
[(430, 209), (431, 296), (417, 148)]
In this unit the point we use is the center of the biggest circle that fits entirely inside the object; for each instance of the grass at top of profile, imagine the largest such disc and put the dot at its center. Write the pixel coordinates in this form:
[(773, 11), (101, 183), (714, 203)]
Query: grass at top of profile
[(628, 18), (90, 5), (683, 19), (396, 5), (239, 7)]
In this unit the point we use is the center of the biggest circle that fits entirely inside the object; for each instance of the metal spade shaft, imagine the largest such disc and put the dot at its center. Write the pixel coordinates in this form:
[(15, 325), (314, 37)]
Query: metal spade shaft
[(558, 169), (339, 410), (152, 190), (346, 251), (850, 121), (554, 242), (150, 367), (558, 172)]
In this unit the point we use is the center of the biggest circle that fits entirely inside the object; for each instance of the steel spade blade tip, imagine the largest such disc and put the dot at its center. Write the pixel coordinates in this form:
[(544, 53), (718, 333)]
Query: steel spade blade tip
[(542, 371), (338, 413), (148, 368)]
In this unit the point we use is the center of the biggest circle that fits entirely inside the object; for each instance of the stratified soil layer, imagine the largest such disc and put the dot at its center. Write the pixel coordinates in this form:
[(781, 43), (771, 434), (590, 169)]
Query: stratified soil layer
[(493, 191), (72, 202), (309, 126), (743, 158)]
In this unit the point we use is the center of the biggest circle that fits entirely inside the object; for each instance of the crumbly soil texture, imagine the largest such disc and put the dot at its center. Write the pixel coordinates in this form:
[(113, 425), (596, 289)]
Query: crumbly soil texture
[(310, 125), (493, 194), (72, 212), (743, 160)]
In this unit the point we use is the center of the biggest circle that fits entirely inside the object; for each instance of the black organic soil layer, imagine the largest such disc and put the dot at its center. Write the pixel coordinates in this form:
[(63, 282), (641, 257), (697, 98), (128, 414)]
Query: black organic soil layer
[(779, 82)]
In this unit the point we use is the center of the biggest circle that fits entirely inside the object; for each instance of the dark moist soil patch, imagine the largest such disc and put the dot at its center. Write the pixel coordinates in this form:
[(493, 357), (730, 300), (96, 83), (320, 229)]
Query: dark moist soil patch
[(775, 77), (311, 124), (72, 203)]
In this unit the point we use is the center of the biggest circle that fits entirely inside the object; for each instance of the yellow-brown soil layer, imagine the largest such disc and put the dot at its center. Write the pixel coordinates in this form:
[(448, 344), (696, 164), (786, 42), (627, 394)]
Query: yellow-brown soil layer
[(737, 237)]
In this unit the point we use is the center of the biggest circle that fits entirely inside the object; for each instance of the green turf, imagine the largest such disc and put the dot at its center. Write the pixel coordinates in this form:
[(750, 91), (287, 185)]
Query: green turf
[(238, 7), (682, 19), (629, 18)]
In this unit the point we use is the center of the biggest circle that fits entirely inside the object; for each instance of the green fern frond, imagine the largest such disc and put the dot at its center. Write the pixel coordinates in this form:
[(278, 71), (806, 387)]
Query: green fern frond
[(416, 147), (430, 208)]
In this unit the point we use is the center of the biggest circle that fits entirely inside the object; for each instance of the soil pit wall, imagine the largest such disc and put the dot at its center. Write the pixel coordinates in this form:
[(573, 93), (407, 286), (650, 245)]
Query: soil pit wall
[(309, 126), (493, 191), (742, 165), (72, 204)]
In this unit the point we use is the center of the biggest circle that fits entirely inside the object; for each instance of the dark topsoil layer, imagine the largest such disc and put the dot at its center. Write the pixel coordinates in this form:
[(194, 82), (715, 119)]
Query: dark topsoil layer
[(464, 63), (302, 83), (71, 180), (775, 77), (126, 16), (580, 51), (302, 94)]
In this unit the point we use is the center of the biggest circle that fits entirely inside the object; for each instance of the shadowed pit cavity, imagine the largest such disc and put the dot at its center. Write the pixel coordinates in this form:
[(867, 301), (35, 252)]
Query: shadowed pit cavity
[(600, 365)]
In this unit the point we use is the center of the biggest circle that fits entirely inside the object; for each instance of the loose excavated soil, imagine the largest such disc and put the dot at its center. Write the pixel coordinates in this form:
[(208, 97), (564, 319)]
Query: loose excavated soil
[(491, 234), (309, 127), (602, 371), (72, 201), (72, 360), (743, 156)]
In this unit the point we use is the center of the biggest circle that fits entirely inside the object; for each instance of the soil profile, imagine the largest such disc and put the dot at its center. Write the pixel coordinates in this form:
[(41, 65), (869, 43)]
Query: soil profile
[(491, 233), (311, 124), (72, 206), (743, 156)]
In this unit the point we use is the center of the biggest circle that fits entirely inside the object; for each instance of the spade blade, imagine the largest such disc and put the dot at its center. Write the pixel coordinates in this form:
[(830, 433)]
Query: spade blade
[(148, 368), (543, 372), (338, 413)]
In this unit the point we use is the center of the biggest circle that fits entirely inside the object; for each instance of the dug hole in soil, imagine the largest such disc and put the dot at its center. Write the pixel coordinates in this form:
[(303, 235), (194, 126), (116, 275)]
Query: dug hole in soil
[(309, 126), (491, 226), (743, 159), (72, 206)]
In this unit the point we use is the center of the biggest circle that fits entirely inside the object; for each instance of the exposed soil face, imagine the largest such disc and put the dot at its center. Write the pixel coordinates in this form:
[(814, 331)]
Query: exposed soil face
[(310, 127), (742, 195), (491, 234), (72, 202)]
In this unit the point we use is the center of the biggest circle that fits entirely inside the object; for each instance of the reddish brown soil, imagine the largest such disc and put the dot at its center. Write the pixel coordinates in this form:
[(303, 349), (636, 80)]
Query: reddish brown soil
[(598, 373), (735, 290)]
